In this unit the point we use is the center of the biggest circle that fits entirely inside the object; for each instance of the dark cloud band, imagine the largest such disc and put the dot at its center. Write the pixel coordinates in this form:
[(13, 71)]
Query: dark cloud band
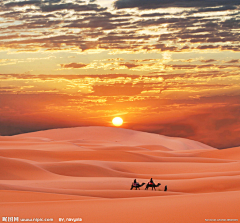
[(152, 4)]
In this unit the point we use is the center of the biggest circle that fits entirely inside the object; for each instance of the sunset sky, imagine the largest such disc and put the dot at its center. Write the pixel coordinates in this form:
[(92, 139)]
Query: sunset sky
[(165, 66)]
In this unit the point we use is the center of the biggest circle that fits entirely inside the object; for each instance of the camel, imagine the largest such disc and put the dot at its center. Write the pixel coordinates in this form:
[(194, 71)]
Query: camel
[(152, 186), (137, 186)]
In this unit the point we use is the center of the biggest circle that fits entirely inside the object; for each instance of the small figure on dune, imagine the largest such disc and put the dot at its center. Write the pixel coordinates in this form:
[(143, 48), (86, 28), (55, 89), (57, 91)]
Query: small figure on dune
[(136, 185), (165, 189), (151, 181), (152, 185)]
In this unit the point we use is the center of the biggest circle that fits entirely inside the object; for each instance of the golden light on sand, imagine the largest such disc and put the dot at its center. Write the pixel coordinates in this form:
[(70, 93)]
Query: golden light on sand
[(117, 121)]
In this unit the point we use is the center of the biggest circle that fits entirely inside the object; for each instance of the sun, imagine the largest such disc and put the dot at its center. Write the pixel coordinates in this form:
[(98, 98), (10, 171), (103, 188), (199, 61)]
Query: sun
[(117, 121)]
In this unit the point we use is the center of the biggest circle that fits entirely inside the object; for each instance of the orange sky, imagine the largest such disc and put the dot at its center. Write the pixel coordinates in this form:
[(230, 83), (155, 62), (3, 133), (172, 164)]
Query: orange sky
[(169, 68)]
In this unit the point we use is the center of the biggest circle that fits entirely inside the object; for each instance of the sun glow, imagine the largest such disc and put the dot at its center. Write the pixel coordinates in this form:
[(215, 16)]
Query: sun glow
[(117, 121)]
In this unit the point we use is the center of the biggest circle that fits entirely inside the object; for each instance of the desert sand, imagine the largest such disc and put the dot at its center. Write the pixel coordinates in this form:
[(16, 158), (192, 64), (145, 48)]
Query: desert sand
[(85, 174)]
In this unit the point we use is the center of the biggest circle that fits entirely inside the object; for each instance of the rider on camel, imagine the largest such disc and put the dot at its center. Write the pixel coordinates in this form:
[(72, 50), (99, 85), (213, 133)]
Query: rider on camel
[(150, 182), (135, 183)]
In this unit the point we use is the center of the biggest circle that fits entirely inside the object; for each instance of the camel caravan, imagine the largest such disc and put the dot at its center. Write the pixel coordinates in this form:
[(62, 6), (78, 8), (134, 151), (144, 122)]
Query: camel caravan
[(151, 184)]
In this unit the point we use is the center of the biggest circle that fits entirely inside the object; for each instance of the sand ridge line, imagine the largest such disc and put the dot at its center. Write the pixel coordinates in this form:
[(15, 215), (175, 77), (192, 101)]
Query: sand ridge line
[(66, 155)]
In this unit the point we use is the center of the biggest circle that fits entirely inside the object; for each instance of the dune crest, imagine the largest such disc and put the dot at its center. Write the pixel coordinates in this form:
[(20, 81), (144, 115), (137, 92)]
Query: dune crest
[(98, 135)]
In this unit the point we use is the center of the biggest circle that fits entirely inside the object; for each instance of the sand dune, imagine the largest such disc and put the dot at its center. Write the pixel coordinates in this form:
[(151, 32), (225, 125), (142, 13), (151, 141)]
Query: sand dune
[(232, 153), (115, 136), (16, 169), (86, 172)]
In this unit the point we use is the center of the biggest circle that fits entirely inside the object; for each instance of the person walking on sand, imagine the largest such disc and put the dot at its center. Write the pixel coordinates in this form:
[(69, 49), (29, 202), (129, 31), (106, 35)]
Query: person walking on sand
[(165, 189)]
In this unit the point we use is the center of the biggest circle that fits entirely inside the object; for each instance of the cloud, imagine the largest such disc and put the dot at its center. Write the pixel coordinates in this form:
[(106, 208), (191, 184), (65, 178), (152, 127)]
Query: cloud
[(68, 77), (73, 65), (97, 21), (43, 28), (231, 48), (208, 61), (71, 6), (207, 47), (129, 65), (152, 4), (163, 47), (233, 61), (154, 14), (117, 90), (218, 8), (22, 3)]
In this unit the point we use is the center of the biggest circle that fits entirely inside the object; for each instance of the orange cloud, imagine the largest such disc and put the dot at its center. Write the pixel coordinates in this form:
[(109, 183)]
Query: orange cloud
[(73, 65)]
